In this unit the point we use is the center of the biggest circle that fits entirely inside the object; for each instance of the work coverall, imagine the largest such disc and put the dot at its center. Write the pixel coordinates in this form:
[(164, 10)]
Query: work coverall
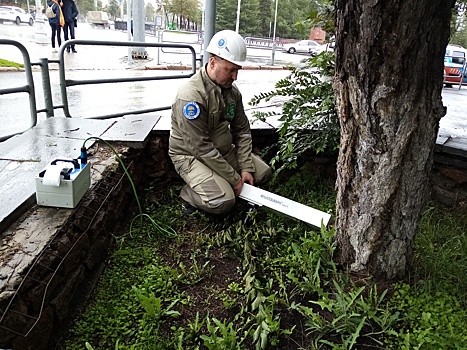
[(210, 144)]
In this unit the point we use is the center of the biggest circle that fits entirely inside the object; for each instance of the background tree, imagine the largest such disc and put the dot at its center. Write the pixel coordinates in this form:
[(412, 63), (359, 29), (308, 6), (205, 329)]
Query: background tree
[(459, 24), (256, 16), (226, 14), (389, 68), (249, 18), (113, 9), (87, 5), (150, 13), (265, 16)]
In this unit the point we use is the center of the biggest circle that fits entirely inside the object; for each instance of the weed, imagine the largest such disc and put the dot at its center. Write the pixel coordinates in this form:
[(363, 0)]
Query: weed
[(273, 284)]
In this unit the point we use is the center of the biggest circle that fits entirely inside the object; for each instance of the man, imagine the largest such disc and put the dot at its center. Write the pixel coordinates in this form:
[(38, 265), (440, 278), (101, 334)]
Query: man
[(70, 12), (210, 143)]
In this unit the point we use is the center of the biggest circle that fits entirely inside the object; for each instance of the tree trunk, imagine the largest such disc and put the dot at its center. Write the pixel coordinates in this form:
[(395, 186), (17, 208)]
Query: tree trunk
[(389, 72)]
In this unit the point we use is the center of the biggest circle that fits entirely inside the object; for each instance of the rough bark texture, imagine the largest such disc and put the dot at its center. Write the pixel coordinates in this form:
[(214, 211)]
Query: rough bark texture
[(389, 67)]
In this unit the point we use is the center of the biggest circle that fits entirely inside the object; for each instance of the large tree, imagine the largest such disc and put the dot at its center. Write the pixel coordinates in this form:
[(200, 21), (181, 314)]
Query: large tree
[(389, 67)]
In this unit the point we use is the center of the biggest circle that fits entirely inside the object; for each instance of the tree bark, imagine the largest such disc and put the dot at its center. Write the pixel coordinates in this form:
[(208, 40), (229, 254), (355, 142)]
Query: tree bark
[(388, 82)]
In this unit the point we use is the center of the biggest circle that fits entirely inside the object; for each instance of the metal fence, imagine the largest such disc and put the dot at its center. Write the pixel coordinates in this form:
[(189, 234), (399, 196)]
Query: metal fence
[(262, 43), (29, 88)]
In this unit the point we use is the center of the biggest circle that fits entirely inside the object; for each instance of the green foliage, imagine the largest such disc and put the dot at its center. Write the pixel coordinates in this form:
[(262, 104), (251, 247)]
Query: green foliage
[(257, 17), (113, 9), (351, 316), (153, 305), (282, 290), (6, 63), (323, 17), (439, 253), (429, 321), (184, 9), (222, 336), (308, 118)]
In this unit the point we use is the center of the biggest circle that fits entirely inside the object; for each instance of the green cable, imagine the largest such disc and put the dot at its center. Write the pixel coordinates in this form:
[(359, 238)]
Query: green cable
[(164, 229)]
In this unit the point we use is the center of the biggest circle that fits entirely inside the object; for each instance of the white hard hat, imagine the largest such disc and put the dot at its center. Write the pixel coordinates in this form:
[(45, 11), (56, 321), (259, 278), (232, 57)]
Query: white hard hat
[(228, 45)]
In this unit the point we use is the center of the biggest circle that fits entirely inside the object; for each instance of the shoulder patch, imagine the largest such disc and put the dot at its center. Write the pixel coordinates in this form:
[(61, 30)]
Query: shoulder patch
[(191, 110)]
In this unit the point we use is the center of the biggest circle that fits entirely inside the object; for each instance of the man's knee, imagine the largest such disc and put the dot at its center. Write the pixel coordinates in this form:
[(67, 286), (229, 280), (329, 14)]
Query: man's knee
[(264, 177), (220, 206)]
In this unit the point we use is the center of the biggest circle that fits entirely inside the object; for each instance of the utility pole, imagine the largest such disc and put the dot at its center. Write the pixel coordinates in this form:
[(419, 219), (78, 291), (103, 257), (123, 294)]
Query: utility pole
[(274, 36), (139, 33), (210, 25), (237, 25)]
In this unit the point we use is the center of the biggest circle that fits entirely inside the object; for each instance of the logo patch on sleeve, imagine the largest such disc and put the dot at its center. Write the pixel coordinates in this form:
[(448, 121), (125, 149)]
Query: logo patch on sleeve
[(191, 110)]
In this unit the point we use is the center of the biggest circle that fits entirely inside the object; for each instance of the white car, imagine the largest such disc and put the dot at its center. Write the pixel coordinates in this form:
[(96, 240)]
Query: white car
[(16, 15), (304, 46)]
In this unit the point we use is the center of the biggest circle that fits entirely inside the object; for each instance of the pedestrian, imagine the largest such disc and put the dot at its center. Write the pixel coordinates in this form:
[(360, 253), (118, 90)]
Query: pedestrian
[(70, 12), (56, 22), (210, 143)]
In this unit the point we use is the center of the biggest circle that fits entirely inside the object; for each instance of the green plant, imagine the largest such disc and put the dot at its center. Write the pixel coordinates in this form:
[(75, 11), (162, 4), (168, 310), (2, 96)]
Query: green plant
[(351, 316), (222, 336), (439, 261), (6, 63), (428, 321), (274, 284), (153, 305), (308, 117)]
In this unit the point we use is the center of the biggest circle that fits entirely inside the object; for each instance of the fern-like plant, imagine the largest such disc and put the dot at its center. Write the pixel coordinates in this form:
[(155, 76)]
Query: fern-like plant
[(308, 119)]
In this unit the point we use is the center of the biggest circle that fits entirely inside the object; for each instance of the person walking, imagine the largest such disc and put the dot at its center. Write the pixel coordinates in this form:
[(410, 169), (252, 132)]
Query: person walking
[(210, 142), (56, 23), (70, 12)]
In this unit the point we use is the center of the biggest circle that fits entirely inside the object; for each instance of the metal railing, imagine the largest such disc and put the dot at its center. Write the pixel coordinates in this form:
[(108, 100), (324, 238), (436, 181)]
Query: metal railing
[(262, 43), (65, 82), (28, 88)]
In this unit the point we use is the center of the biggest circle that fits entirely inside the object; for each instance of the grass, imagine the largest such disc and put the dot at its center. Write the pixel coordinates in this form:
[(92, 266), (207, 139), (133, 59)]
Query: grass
[(6, 63), (272, 284)]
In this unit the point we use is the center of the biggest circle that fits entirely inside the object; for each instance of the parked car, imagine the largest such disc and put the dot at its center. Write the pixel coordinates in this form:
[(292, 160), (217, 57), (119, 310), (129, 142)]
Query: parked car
[(16, 15), (304, 46), (328, 47), (455, 65)]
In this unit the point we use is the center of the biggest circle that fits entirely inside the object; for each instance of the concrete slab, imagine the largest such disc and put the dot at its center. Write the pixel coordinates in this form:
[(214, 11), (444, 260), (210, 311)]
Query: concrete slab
[(32, 147), (164, 124), (131, 129), (22, 157), (442, 139), (73, 128)]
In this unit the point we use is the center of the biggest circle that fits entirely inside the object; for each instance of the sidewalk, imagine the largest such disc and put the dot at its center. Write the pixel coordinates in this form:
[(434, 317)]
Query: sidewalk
[(107, 57)]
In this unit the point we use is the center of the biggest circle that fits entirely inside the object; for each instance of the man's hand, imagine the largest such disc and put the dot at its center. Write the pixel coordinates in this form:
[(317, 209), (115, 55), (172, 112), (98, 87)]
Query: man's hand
[(246, 178), (238, 188)]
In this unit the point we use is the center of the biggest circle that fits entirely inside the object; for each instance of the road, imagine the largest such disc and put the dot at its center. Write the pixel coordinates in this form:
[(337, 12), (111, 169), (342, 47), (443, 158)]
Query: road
[(94, 100)]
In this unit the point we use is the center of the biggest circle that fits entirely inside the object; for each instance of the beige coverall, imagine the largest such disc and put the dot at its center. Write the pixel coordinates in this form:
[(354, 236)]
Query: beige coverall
[(210, 144)]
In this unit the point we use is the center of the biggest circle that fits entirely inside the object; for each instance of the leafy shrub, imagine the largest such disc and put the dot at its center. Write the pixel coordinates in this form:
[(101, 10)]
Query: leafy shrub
[(431, 322), (308, 117)]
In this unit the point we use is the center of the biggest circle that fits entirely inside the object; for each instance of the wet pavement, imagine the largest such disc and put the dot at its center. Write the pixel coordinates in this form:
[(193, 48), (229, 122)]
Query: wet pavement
[(103, 62), (93, 62)]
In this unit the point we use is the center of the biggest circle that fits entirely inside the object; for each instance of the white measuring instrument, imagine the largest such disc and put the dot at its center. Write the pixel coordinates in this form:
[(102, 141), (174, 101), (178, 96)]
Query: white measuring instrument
[(284, 205)]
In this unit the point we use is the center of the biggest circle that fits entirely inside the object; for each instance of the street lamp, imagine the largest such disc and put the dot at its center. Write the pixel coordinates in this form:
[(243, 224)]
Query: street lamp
[(274, 36)]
